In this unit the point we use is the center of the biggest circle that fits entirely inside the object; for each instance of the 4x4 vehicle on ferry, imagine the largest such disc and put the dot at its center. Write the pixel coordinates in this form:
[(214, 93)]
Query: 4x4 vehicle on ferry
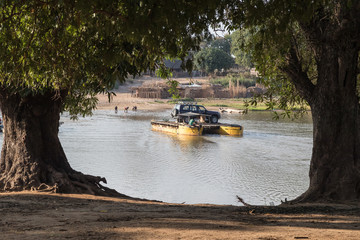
[(193, 107)]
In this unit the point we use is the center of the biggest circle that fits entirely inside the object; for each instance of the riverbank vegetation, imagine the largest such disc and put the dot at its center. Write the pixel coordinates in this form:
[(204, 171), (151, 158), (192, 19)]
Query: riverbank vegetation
[(247, 104), (242, 79)]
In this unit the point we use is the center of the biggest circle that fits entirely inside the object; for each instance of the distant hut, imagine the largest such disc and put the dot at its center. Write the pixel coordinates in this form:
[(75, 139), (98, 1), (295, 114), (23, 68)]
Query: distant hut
[(151, 90), (177, 71)]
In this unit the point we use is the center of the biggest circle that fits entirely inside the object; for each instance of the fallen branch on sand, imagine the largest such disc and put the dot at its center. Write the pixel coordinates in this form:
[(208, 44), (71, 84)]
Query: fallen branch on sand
[(243, 202)]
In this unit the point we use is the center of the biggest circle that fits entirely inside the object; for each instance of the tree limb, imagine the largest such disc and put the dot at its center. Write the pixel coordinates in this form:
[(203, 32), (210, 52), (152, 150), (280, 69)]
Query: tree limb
[(297, 76)]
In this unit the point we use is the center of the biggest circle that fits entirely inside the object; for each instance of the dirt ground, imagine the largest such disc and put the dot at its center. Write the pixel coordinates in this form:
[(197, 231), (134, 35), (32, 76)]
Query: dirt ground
[(29, 215)]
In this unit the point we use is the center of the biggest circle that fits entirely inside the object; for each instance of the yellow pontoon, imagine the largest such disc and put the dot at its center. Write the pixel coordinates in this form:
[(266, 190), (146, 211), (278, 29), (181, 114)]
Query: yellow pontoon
[(185, 125)]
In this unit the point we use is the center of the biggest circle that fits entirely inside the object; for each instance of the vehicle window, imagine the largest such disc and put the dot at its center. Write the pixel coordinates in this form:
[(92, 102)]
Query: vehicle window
[(202, 109), (193, 109), (186, 108)]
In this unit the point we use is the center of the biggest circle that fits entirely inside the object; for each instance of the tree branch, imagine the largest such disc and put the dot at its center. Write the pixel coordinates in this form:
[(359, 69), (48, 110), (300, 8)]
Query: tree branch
[(297, 76)]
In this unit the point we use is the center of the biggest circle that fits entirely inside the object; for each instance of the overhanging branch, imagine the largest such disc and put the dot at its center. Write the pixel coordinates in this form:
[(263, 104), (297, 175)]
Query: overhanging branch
[(297, 76)]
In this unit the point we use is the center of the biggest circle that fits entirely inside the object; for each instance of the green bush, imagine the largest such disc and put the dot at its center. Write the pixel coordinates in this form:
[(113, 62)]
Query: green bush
[(245, 79), (174, 101)]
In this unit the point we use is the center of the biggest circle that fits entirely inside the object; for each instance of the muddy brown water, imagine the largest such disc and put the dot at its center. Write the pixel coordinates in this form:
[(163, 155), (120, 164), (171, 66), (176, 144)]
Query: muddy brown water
[(269, 163)]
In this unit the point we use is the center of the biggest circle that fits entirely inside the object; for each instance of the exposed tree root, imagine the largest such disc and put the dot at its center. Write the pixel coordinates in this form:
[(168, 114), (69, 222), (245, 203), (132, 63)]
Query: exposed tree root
[(59, 182), (32, 157), (311, 196)]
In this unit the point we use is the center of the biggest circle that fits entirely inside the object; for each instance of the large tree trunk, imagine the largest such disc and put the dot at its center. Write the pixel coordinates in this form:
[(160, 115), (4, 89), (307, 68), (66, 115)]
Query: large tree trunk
[(32, 157), (335, 164), (333, 36)]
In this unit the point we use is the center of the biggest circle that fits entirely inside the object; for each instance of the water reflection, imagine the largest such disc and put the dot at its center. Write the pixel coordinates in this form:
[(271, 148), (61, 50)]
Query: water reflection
[(269, 163), (189, 143)]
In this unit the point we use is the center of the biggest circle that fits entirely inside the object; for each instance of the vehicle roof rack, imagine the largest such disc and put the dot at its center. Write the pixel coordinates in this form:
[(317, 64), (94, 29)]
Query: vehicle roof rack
[(187, 103)]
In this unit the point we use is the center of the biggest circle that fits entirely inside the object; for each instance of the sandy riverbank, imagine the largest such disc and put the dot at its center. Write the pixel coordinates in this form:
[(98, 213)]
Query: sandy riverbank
[(122, 100), (54, 216)]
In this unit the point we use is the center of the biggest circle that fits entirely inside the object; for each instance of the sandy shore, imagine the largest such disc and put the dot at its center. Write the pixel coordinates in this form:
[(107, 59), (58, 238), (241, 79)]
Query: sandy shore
[(122, 100), (55, 216)]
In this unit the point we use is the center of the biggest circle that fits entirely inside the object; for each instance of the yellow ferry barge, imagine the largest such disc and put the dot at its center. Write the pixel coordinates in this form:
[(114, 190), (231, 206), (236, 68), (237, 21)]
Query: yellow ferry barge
[(177, 128), (186, 125)]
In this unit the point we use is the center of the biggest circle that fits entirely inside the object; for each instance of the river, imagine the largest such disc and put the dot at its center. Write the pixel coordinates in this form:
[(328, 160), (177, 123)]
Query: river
[(268, 164)]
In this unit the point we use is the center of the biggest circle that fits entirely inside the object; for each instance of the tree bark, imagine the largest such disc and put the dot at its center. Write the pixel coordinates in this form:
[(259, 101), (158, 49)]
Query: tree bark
[(32, 157), (335, 163), (334, 38)]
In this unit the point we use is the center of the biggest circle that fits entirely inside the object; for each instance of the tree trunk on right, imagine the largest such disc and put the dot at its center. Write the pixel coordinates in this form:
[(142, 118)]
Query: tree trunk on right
[(335, 164)]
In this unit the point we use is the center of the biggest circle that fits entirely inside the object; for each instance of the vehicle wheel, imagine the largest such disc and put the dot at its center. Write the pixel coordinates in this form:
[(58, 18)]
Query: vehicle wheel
[(214, 119), (174, 113)]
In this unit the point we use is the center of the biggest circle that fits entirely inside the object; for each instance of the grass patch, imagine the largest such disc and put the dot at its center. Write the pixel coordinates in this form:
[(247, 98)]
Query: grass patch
[(221, 105), (234, 104), (174, 101), (244, 79)]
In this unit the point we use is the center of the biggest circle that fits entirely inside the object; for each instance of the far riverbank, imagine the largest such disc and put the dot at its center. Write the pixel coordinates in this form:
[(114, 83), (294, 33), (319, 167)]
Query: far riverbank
[(122, 100)]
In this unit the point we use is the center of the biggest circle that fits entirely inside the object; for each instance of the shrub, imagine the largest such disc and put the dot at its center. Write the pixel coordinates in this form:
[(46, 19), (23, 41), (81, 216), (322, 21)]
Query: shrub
[(244, 79)]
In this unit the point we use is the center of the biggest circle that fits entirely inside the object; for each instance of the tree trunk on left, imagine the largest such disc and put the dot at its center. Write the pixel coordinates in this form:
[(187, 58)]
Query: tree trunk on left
[(32, 157)]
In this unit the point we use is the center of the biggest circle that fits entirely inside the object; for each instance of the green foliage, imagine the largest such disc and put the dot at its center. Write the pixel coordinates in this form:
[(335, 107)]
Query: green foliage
[(173, 90), (268, 32), (239, 48), (83, 47), (215, 55), (242, 104), (244, 79), (174, 101), (163, 72), (209, 59), (222, 43)]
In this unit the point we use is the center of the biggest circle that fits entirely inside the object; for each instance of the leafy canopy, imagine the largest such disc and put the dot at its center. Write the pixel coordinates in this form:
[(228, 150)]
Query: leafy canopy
[(239, 49), (268, 31), (215, 55), (82, 47), (222, 43)]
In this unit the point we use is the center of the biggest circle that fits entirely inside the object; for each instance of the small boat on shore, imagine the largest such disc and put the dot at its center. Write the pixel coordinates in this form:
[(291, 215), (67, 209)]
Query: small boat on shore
[(193, 124)]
